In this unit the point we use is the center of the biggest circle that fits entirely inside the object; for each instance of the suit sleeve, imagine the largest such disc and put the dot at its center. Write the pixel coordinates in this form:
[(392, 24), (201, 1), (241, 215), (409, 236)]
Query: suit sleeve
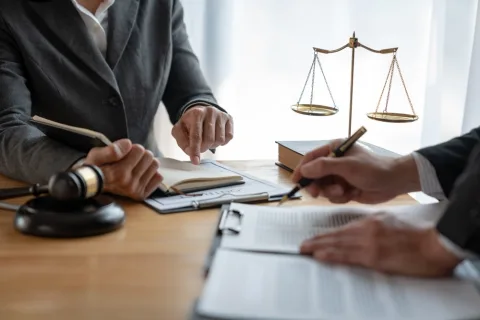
[(461, 221), (186, 84), (450, 158), (26, 154)]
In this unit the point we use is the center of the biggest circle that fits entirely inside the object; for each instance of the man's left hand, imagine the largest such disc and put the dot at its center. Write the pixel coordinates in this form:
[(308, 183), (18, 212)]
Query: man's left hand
[(385, 247), (202, 128)]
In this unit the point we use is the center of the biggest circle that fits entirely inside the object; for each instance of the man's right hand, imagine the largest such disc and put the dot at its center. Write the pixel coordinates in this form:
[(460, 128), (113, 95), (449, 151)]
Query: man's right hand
[(359, 175), (129, 170)]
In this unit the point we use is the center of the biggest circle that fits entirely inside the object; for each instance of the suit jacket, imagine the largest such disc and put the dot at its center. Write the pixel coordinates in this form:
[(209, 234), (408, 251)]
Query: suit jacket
[(50, 67), (457, 163)]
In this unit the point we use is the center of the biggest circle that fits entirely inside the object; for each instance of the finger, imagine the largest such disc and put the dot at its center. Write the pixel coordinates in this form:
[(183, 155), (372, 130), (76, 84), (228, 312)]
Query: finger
[(347, 196), (322, 167), (219, 132), (345, 255), (334, 191), (153, 184), (104, 155), (143, 165), (209, 126), (323, 151), (332, 240), (195, 133), (314, 190), (145, 179), (180, 135), (131, 160), (228, 130)]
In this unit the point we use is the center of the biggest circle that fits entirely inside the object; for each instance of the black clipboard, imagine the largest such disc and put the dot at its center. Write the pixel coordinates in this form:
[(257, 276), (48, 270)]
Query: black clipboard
[(220, 228), (468, 269), (154, 201)]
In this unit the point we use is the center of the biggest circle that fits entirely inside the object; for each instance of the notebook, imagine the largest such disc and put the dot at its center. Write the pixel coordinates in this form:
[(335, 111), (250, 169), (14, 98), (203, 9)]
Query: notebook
[(187, 177), (177, 175), (257, 272), (78, 138)]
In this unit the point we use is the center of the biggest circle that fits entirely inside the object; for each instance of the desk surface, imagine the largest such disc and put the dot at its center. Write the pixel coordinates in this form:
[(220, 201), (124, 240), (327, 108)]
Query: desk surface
[(149, 269)]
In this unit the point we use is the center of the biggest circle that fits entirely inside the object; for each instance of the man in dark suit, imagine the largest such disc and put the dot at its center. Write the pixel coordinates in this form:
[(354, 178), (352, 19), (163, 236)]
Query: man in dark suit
[(448, 171), (106, 66)]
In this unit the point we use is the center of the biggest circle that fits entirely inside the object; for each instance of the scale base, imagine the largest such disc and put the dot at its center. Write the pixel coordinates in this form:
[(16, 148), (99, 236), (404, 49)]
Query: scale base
[(48, 217)]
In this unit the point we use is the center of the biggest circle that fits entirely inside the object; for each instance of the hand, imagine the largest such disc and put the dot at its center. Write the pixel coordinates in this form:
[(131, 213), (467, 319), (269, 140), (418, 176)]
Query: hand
[(129, 170), (375, 244), (202, 128), (359, 175)]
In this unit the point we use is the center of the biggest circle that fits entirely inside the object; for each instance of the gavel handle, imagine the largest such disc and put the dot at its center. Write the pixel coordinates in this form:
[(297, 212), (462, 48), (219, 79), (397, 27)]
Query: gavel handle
[(34, 190)]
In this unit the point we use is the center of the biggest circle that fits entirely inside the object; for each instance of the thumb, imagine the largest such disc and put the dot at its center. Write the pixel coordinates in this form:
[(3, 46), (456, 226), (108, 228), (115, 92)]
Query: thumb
[(326, 166), (112, 153)]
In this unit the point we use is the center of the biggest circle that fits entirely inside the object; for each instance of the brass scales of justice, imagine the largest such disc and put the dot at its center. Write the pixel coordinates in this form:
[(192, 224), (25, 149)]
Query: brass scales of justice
[(322, 110)]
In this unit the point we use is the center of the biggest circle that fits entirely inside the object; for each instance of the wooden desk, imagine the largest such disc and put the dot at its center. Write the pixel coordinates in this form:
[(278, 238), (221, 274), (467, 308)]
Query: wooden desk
[(150, 269)]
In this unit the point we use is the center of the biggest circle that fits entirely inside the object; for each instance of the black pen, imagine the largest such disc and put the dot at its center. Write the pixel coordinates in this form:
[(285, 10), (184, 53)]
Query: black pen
[(338, 152)]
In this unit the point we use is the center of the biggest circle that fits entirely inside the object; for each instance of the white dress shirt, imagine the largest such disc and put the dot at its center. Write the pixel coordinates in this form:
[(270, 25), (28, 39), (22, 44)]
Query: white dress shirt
[(97, 24)]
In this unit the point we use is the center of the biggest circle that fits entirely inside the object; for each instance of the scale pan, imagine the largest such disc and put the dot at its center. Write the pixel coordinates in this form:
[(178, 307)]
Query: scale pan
[(392, 117), (314, 109)]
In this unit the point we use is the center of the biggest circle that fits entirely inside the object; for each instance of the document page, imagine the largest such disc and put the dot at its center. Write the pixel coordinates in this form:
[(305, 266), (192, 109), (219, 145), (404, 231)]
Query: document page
[(283, 229), (251, 285)]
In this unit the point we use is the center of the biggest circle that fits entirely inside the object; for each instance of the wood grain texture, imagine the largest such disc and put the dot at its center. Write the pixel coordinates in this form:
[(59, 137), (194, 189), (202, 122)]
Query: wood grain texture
[(149, 269)]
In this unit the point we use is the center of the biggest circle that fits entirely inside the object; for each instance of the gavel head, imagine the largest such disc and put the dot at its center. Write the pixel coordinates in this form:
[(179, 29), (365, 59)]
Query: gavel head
[(82, 183)]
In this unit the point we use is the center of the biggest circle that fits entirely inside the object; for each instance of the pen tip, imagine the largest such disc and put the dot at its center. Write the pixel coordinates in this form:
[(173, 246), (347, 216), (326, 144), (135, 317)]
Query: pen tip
[(285, 197)]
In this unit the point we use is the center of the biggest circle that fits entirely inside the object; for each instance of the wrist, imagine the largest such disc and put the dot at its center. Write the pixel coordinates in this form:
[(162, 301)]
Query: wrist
[(404, 175), (435, 252)]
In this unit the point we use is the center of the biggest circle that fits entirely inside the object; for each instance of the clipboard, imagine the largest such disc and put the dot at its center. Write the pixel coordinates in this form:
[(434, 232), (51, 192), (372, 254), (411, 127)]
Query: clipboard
[(265, 191), (220, 228), (469, 269)]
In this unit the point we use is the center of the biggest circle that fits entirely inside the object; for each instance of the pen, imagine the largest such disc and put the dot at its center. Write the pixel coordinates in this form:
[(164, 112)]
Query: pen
[(338, 152)]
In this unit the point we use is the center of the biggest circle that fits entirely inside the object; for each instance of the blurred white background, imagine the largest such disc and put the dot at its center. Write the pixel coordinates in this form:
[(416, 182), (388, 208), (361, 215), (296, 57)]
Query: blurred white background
[(256, 55)]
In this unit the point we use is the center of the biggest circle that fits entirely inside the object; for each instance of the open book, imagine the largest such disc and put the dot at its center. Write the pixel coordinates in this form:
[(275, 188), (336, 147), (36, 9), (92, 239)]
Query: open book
[(258, 273), (177, 175), (187, 177)]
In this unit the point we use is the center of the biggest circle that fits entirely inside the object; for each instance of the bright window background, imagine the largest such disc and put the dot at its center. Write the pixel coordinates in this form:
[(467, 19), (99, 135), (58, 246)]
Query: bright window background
[(256, 55)]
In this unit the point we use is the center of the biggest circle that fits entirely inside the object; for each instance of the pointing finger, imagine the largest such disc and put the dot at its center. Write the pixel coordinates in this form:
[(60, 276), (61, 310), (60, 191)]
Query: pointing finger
[(195, 140)]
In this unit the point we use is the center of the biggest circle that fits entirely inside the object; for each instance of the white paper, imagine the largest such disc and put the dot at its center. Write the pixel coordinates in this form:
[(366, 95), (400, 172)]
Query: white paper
[(272, 286), (175, 171), (283, 229)]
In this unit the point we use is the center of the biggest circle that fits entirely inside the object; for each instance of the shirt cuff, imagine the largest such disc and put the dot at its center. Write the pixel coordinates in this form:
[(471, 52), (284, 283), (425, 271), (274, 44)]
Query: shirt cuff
[(428, 177), (455, 249)]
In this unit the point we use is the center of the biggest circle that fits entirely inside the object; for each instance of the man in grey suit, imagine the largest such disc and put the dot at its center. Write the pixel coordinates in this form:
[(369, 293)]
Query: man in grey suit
[(103, 65)]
